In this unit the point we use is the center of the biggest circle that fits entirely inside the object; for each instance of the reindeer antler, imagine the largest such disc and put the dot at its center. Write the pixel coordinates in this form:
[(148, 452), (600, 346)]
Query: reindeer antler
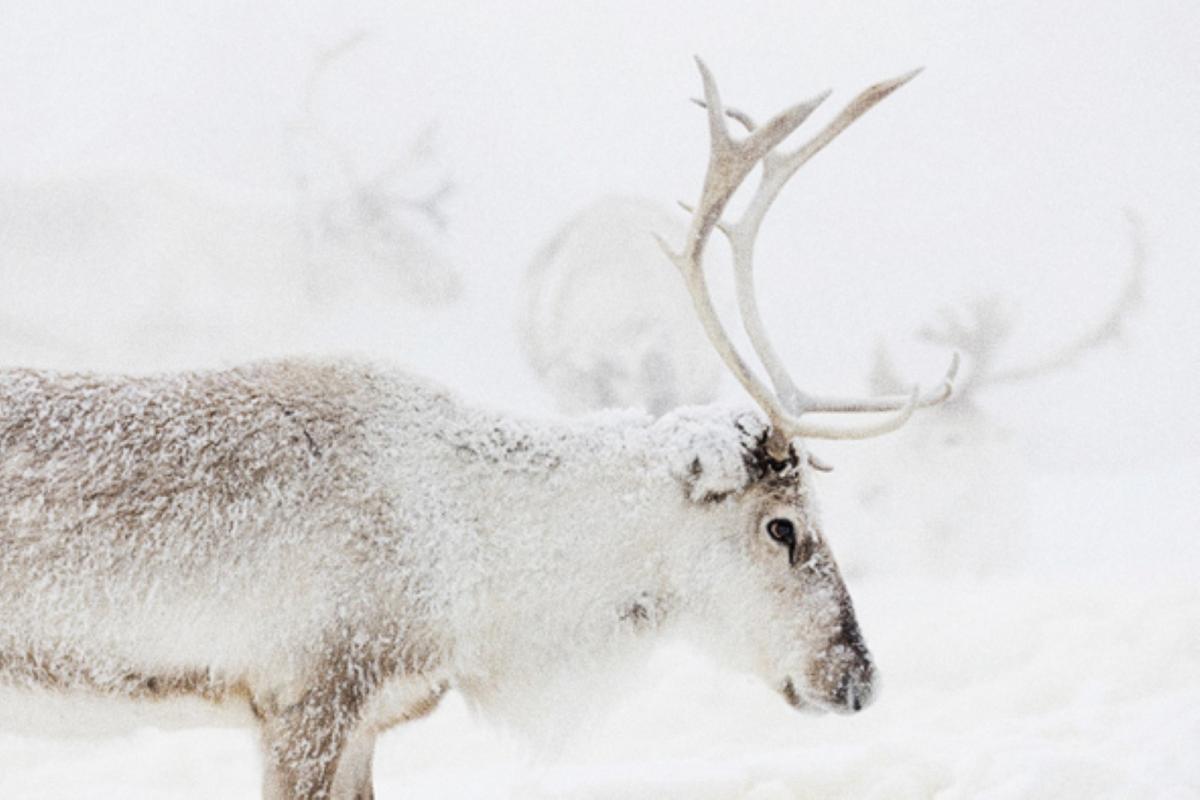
[(375, 193), (730, 162)]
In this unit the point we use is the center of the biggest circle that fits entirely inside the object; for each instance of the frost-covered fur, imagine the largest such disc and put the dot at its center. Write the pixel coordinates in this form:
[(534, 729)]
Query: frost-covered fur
[(333, 546)]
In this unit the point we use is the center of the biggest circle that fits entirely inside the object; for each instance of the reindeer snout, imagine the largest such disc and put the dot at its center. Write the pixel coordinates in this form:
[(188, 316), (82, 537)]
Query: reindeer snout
[(859, 682), (857, 688), (847, 671), (844, 688)]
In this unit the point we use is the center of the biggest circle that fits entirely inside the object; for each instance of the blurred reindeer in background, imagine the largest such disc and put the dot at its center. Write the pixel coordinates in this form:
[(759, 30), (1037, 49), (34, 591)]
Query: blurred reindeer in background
[(140, 267), (389, 219), (952, 489), (604, 323)]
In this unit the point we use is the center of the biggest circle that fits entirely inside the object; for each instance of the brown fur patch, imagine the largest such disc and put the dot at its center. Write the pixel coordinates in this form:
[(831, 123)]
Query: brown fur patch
[(58, 671)]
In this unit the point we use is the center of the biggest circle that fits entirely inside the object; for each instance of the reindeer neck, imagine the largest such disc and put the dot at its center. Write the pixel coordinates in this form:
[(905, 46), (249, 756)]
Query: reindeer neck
[(611, 516)]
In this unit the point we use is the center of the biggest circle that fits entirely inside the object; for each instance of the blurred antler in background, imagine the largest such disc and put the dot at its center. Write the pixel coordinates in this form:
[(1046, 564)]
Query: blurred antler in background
[(376, 192), (372, 212), (982, 330), (954, 491)]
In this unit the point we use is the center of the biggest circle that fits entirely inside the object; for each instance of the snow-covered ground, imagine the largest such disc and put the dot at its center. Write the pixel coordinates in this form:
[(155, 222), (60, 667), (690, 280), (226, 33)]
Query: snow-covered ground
[(1072, 670)]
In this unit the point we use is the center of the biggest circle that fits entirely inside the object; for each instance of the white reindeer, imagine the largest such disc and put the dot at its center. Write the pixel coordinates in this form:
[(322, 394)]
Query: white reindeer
[(953, 488), (604, 324), (332, 546)]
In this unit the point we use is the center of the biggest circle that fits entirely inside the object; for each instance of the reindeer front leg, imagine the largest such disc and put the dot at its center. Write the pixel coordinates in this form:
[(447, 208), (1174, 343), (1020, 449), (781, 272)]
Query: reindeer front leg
[(319, 743), (353, 780), (303, 743), (308, 734)]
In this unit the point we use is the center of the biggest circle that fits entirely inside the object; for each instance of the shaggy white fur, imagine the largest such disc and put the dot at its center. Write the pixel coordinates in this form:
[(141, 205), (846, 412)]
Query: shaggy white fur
[(333, 545)]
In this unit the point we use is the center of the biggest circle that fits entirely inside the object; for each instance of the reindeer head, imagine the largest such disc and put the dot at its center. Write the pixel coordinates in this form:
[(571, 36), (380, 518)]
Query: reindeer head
[(786, 587), (816, 656)]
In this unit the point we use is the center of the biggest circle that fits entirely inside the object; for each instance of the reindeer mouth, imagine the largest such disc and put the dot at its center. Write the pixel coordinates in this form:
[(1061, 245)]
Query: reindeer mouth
[(856, 700), (798, 701)]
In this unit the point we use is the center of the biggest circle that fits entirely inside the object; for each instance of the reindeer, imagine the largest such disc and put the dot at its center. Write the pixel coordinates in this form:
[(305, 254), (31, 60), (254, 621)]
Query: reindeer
[(953, 486), (331, 546), (604, 325)]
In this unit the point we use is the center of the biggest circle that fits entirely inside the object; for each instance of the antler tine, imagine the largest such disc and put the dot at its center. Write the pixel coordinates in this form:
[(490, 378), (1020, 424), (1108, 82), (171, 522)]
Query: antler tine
[(777, 170), (933, 397), (730, 162)]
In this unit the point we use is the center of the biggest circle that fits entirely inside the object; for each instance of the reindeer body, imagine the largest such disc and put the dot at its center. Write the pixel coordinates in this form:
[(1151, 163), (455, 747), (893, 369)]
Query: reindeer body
[(220, 535), (332, 546)]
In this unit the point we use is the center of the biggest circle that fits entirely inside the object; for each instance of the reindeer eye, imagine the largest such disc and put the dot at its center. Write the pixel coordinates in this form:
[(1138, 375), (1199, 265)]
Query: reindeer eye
[(782, 531)]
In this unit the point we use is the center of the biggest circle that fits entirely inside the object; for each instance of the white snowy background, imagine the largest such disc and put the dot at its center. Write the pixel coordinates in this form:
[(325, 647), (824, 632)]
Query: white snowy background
[(1072, 669)]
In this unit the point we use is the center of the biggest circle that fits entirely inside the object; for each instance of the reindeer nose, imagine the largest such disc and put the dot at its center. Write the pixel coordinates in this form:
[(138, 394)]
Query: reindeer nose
[(857, 687), (858, 684)]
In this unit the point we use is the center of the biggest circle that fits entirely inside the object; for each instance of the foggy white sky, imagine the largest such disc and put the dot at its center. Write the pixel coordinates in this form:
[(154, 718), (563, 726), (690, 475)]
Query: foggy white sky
[(1004, 167)]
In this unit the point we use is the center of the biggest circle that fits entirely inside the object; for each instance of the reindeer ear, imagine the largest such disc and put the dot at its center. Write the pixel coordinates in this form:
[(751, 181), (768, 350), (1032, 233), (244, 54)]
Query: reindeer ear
[(710, 477), (707, 453)]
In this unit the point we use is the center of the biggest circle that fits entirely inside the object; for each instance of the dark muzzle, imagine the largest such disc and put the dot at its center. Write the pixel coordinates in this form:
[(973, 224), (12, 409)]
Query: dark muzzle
[(847, 672)]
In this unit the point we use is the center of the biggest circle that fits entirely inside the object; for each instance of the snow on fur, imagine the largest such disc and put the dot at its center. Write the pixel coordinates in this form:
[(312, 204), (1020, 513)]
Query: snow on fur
[(331, 546)]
